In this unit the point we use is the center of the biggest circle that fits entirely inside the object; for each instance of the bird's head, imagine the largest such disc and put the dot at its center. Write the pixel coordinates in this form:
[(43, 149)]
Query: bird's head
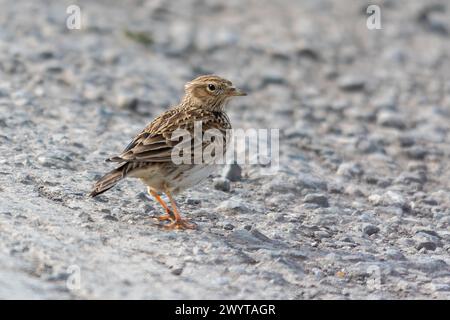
[(211, 91)]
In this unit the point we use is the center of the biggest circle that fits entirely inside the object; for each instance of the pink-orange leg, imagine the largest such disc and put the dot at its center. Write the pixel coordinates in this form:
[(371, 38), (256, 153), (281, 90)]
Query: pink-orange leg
[(179, 222), (169, 215)]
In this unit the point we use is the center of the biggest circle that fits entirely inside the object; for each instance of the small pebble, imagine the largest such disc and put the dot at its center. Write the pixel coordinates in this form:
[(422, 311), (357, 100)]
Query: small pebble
[(370, 229), (351, 83), (222, 184), (316, 198), (233, 172)]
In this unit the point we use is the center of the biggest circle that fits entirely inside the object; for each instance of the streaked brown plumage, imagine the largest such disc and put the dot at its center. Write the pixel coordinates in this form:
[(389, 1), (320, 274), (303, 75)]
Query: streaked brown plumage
[(148, 156)]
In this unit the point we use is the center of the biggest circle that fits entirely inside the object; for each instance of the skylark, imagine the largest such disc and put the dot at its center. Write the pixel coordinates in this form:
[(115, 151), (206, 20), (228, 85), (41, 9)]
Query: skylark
[(149, 155)]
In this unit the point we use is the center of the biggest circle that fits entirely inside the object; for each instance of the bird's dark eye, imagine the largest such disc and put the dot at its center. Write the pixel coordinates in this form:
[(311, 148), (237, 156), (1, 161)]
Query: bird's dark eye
[(211, 87)]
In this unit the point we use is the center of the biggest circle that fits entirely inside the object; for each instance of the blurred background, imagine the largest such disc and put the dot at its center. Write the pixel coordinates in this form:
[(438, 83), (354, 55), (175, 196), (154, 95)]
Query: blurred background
[(364, 176)]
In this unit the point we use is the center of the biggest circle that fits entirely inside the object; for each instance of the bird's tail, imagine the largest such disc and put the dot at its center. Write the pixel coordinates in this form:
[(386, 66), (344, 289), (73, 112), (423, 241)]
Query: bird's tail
[(109, 180)]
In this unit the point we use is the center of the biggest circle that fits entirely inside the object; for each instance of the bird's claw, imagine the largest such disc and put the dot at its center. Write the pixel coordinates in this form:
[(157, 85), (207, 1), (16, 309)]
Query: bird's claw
[(169, 216), (181, 224)]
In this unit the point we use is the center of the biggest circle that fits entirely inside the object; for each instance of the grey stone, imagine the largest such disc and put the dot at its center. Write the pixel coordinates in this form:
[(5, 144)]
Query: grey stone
[(387, 101), (427, 245), (429, 264), (433, 18), (354, 190), (350, 170), (127, 101), (177, 271), (316, 198), (391, 119), (247, 239), (438, 23), (369, 229), (272, 76), (193, 201), (389, 198), (233, 172), (368, 146), (416, 152), (394, 254), (322, 234), (110, 217), (228, 226), (408, 178), (427, 239), (279, 184), (306, 181), (232, 205), (351, 83), (440, 287), (222, 184), (407, 141)]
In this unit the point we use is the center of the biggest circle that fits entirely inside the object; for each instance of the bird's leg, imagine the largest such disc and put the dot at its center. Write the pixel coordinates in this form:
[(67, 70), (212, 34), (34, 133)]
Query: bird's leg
[(179, 222), (169, 216)]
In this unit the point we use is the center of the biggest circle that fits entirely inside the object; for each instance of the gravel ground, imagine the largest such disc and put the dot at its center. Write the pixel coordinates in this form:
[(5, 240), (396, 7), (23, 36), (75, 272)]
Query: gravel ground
[(360, 207)]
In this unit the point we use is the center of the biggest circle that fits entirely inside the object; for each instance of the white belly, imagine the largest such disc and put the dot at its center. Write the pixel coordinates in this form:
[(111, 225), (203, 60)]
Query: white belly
[(177, 178), (193, 176)]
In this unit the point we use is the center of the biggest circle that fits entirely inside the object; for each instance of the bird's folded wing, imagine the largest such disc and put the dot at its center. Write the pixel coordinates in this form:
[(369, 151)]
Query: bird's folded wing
[(147, 148), (156, 142)]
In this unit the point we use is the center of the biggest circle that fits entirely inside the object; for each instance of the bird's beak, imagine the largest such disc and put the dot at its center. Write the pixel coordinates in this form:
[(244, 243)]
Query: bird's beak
[(232, 91)]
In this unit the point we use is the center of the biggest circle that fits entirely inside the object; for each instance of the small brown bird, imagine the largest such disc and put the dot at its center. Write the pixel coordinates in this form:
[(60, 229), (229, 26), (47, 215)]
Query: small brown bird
[(149, 155)]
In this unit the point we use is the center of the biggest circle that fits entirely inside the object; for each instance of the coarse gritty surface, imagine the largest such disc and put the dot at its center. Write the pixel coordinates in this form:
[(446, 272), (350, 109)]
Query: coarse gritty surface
[(360, 207)]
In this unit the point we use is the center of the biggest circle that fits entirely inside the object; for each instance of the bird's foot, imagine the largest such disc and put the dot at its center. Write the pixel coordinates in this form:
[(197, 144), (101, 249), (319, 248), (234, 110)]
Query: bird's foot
[(181, 224), (169, 216)]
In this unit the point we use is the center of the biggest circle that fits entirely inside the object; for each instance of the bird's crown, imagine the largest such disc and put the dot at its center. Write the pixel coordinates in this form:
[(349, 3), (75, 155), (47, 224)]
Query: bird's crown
[(210, 91)]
